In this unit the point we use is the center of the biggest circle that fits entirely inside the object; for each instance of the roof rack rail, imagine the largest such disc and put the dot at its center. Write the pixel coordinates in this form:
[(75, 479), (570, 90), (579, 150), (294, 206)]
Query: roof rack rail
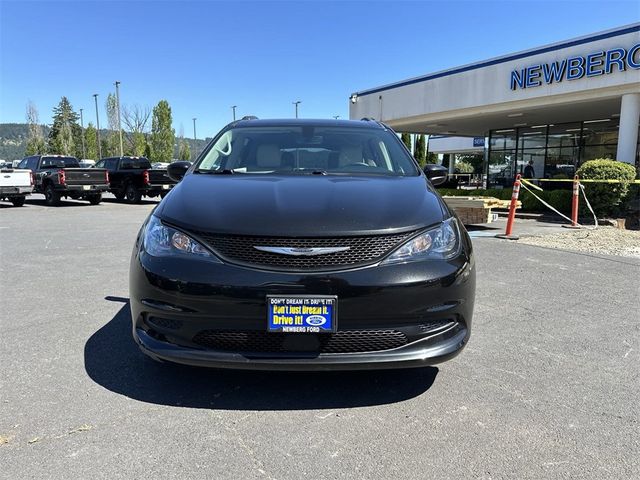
[(249, 117)]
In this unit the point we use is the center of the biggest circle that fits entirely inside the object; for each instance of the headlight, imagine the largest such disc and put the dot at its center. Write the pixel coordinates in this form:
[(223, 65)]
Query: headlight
[(442, 242), (163, 241)]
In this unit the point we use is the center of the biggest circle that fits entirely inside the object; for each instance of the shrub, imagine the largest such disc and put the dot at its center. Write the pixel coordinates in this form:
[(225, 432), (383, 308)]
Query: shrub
[(606, 198), (464, 167)]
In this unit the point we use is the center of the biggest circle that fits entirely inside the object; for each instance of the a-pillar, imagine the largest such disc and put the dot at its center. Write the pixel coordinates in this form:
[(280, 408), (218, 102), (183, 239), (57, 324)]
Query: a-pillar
[(628, 132)]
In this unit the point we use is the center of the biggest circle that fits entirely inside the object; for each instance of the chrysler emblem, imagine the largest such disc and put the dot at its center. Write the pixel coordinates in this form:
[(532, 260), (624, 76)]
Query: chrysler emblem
[(301, 251)]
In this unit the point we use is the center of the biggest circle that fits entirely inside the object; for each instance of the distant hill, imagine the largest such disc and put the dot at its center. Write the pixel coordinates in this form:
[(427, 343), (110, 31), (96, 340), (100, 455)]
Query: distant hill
[(13, 140)]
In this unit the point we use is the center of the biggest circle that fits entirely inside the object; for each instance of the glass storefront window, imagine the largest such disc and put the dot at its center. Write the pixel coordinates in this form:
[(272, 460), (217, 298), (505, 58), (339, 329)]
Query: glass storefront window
[(536, 155), (503, 139), (532, 137), (561, 162), (591, 152), (556, 150), (501, 168), (600, 132), (564, 135)]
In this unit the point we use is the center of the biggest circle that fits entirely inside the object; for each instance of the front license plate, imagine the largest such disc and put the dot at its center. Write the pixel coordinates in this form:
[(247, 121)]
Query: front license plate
[(86, 187), (302, 314)]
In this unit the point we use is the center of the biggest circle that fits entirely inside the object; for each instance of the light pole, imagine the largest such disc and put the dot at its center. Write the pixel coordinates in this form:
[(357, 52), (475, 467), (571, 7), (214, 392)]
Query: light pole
[(194, 138), (117, 84), (233, 107), (95, 97), (84, 151), (296, 103)]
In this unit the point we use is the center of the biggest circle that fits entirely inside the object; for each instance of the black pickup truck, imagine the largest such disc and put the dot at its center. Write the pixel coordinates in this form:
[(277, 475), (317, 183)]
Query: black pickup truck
[(131, 178), (58, 176)]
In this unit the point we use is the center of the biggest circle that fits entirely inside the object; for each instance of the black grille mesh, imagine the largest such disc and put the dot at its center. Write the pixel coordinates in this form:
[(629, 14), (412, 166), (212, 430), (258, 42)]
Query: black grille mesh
[(362, 250), (344, 341)]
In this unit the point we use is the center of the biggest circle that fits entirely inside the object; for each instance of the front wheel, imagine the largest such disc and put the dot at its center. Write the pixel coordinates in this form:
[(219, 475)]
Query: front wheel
[(18, 201), (51, 197), (132, 194), (95, 199)]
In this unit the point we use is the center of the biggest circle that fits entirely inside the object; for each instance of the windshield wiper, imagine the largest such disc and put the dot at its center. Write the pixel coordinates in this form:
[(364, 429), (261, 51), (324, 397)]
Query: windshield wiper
[(311, 171), (224, 171)]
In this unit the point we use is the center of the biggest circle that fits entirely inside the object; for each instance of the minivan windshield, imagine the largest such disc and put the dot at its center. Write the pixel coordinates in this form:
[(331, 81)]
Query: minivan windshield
[(310, 149)]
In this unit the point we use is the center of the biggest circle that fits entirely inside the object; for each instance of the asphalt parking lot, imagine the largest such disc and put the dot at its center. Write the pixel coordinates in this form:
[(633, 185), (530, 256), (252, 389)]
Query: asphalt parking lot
[(548, 386)]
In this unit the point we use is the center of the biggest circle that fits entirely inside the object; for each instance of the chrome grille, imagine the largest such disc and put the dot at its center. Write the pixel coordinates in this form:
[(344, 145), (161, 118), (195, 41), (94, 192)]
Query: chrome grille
[(362, 250)]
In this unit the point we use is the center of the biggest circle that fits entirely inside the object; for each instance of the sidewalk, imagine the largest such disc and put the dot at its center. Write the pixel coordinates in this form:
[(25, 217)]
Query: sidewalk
[(605, 240)]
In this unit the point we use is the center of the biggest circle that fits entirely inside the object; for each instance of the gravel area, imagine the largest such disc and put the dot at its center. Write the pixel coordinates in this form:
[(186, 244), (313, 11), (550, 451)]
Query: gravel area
[(603, 240)]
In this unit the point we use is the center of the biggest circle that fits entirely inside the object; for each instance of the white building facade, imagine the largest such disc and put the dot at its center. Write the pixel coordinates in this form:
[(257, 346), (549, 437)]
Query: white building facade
[(556, 106)]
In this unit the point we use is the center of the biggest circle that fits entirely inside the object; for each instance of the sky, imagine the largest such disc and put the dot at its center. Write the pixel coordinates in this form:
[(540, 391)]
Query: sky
[(204, 57)]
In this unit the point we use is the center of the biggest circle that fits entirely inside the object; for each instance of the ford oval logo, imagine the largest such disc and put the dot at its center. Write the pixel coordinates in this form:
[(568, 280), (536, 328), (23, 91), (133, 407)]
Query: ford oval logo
[(316, 320)]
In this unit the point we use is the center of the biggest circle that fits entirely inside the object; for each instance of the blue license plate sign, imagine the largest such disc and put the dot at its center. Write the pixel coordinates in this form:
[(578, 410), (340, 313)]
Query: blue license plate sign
[(302, 314)]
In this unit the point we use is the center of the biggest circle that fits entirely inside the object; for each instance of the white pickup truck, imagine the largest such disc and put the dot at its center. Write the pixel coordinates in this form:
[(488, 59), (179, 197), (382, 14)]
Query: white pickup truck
[(15, 185)]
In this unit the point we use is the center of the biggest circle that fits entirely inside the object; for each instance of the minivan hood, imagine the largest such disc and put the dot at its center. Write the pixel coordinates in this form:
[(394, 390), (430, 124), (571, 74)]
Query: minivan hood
[(301, 206)]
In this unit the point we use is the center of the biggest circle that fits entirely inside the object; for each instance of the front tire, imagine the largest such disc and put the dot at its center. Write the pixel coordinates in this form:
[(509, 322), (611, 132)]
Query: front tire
[(51, 197), (132, 194), (18, 201)]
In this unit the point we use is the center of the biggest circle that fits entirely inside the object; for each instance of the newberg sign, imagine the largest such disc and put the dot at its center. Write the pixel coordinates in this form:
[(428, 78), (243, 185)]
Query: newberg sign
[(574, 68)]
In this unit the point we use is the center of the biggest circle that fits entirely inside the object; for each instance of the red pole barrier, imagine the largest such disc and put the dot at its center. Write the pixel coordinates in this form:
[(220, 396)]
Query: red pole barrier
[(574, 203), (512, 211)]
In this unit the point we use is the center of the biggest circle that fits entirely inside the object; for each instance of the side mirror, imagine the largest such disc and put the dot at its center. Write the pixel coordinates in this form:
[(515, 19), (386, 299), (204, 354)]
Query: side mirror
[(437, 174), (176, 170)]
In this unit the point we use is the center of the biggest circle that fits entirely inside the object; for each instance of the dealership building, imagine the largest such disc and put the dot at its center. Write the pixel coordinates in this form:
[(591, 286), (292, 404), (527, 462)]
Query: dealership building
[(556, 106)]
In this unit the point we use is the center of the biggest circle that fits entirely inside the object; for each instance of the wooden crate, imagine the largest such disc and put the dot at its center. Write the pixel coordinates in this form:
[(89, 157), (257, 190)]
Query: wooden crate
[(473, 210)]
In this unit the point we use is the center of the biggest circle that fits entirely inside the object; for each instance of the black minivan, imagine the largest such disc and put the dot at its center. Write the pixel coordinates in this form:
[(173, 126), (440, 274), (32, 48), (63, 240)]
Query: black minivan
[(303, 245)]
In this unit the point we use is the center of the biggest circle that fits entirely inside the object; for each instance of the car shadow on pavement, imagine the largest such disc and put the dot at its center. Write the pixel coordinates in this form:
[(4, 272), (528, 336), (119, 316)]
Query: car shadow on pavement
[(144, 201), (64, 203), (113, 360)]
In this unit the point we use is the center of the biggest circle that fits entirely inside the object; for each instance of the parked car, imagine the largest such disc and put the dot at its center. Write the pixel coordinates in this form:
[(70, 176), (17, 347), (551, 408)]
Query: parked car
[(58, 176), (15, 185), (299, 245), (131, 178)]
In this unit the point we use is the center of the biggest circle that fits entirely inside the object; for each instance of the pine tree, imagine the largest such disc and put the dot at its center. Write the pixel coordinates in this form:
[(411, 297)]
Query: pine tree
[(406, 139), (91, 141), (420, 152), (61, 136), (162, 133), (184, 151)]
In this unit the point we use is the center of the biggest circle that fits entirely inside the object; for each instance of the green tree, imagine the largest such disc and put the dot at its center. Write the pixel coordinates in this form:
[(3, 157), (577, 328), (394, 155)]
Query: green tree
[(432, 158), (162, 133), (61, 136), (406, 139), (420, 151), (184, 151), (91, 141)]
